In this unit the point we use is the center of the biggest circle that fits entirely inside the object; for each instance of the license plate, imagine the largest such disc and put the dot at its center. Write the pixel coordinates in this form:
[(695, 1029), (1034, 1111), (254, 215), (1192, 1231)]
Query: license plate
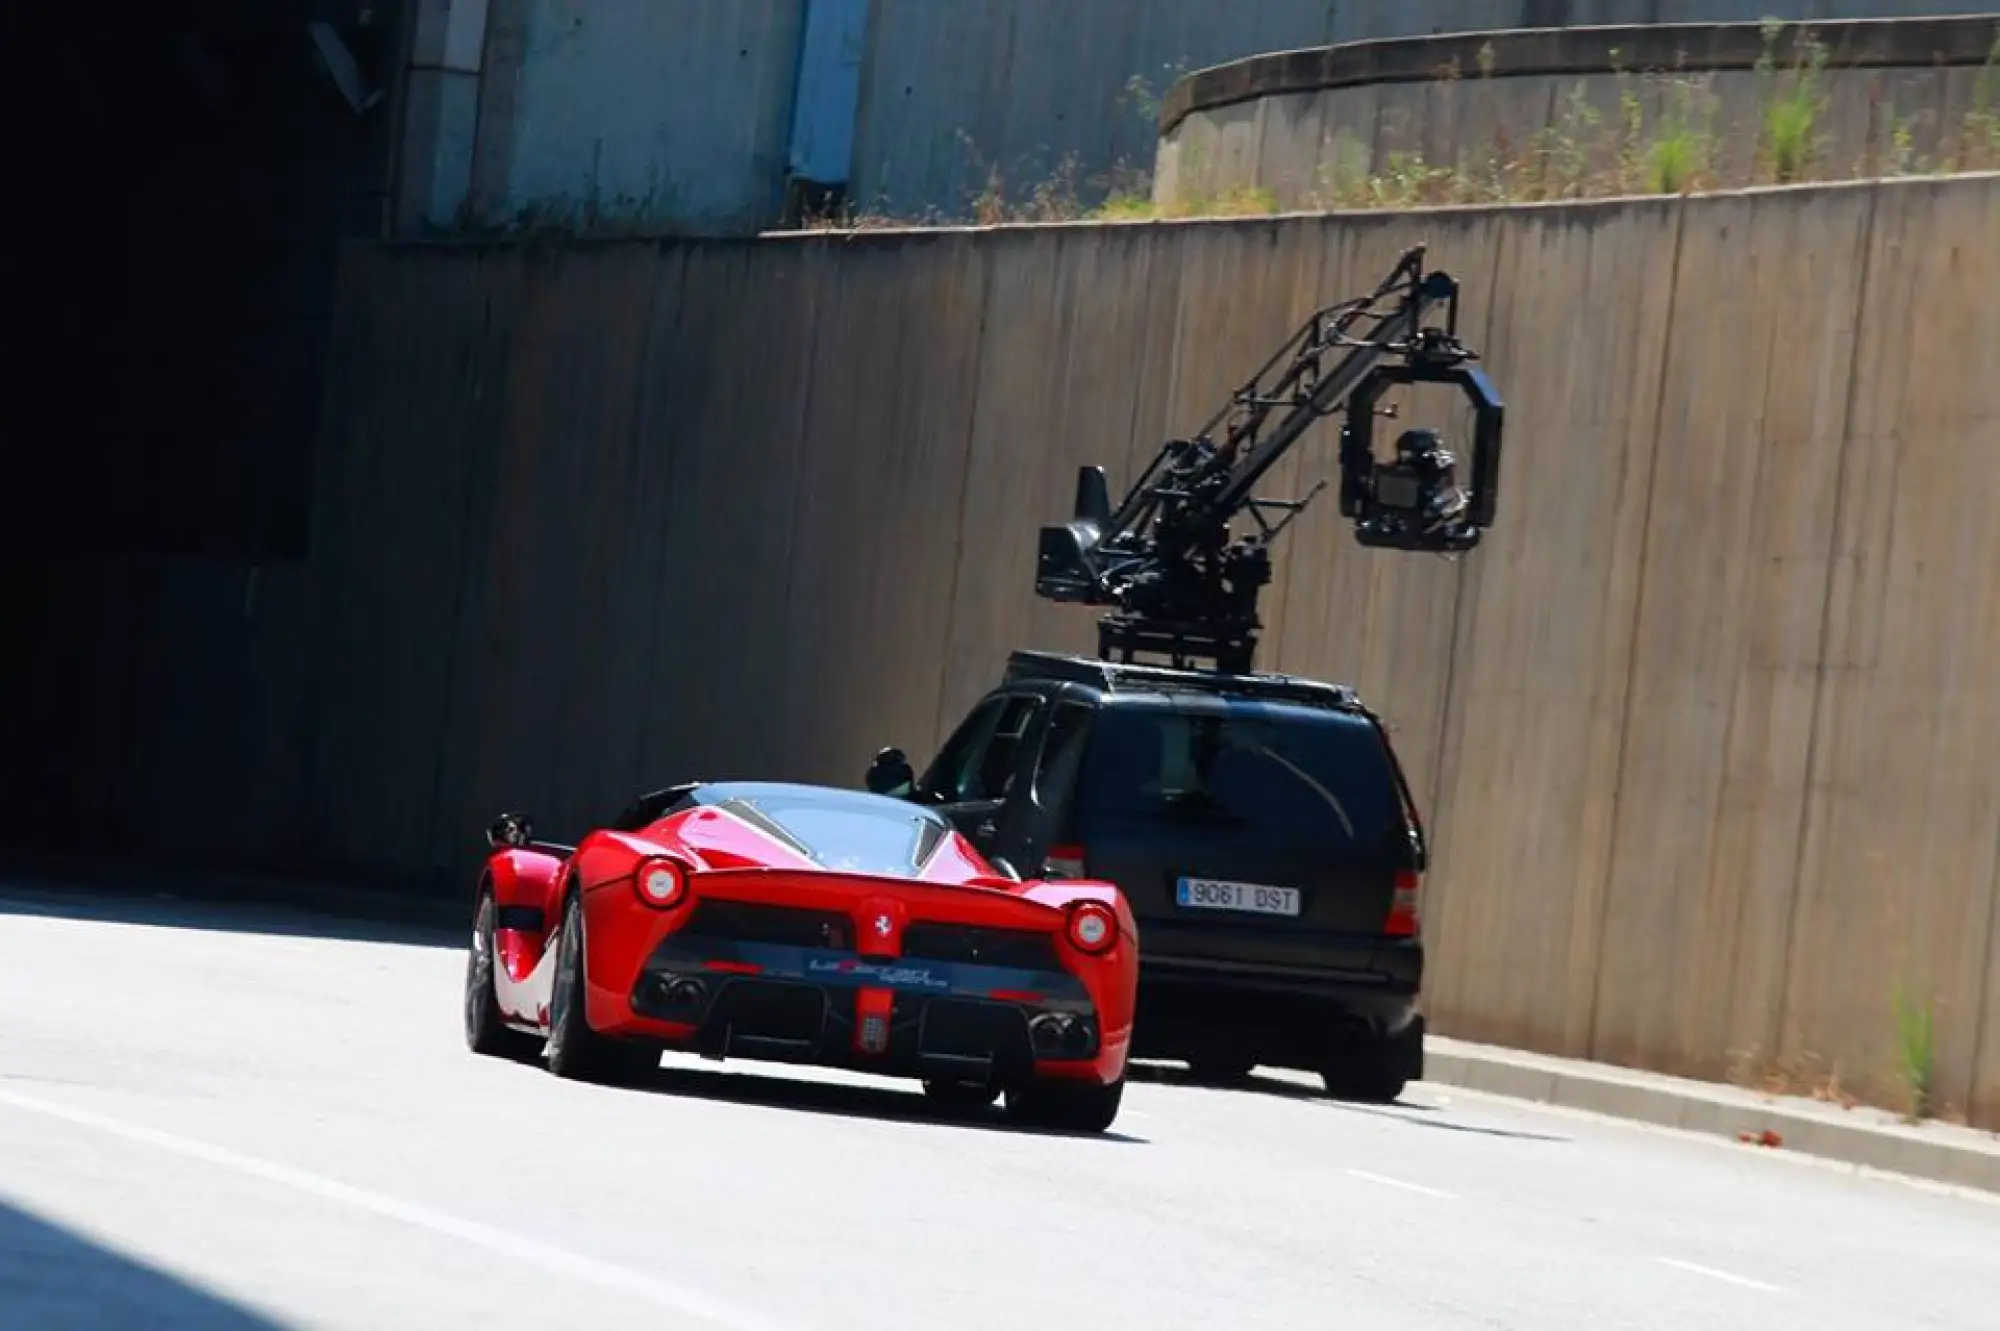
[(1211, 894)]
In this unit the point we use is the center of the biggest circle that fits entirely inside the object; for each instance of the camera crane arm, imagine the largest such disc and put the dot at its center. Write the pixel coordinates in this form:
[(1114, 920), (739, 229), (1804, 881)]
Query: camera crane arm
[(1165, 558)]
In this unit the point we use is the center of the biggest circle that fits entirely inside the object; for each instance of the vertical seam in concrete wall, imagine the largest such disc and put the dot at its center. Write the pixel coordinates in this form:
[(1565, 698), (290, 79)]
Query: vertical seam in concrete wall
[(1783, 991), (1984, 1010), (352, 305), (1744, 662), (1638, 619), (825, 301), (1138, 399), (1434, 796), (444, 713), (667, 258), (945, 692)]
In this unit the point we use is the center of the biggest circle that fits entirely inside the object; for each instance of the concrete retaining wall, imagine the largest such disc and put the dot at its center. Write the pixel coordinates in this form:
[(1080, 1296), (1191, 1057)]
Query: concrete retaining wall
[(1706, 728), (1563, 112)]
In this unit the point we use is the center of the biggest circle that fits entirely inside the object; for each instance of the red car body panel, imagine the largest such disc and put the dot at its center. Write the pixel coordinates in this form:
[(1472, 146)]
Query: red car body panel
[(523, 881), (730, 863)]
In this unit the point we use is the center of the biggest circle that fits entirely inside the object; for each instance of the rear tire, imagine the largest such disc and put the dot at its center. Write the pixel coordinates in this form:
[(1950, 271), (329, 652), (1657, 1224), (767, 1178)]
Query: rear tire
[(1365, 1085), (1373, 1071), (575, 1051), (486, 1031), (1067, 1106)]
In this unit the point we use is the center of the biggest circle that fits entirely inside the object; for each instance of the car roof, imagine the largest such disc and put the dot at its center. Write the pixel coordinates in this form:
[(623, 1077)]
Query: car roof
[(1192, 703)]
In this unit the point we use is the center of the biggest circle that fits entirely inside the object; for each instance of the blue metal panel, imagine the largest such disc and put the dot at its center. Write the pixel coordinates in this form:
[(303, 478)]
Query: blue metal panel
[(829, 90), (651, 115)]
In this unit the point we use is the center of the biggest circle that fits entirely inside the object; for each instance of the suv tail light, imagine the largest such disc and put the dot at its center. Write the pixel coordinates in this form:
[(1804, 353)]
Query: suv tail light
[(1063, 862), (1405, 913)]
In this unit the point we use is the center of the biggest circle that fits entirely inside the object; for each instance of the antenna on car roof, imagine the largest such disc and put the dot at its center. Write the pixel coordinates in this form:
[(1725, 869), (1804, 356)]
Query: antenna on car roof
[(1165, 559)]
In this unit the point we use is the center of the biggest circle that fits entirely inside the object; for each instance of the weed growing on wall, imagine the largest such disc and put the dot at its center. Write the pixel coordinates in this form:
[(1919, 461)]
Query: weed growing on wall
[(1916, 1050), (1980, 138), (1792, 105)]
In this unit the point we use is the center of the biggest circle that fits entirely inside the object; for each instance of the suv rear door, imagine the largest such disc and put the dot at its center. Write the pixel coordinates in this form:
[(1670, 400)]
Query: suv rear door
[(1246, 832)]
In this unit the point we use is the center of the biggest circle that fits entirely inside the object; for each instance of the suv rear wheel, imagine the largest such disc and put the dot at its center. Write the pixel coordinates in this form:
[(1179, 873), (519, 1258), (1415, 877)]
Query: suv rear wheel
[(1373, 1068)]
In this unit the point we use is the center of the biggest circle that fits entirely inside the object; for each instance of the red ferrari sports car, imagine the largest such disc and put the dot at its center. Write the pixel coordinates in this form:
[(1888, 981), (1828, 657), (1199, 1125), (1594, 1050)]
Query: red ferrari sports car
[(803, 924)]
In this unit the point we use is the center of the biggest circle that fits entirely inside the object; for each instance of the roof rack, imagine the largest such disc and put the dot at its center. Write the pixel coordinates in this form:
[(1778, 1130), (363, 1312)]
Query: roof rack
[(1113, 676)]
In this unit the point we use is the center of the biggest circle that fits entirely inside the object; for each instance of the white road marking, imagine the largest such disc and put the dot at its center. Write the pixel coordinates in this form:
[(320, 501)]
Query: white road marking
[(1388, 1182), (514, 1247), (1714, 1274)]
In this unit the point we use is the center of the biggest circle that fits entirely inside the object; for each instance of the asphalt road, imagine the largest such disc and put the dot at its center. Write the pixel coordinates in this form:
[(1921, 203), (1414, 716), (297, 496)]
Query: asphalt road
[(210, 1118)]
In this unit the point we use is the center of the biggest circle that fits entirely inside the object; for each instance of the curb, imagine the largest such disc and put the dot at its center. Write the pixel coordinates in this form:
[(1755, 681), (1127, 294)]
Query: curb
[(1865, 1138)]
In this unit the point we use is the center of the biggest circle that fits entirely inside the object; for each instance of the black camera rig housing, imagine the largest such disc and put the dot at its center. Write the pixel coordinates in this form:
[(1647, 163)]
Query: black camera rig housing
[(1180, 584)]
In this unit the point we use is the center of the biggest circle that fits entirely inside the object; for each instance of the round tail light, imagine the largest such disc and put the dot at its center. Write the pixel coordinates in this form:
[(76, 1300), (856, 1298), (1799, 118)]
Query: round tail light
[(1092, 927), (661, 883)]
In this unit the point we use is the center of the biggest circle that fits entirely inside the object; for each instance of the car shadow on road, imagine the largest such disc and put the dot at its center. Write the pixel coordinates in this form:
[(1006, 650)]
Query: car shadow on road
[(1446, 1124), (1404, 1110), (1174, 1074), (774, 1090)]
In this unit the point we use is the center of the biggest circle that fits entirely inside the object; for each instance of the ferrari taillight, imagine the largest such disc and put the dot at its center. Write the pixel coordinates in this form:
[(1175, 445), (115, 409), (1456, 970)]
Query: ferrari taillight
[(1405, 915), (1063, 862), (1092, 927), (661, 883)]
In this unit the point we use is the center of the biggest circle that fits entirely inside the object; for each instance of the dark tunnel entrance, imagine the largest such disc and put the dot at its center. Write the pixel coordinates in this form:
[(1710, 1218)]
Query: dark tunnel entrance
[(193, 172), (185, 172)]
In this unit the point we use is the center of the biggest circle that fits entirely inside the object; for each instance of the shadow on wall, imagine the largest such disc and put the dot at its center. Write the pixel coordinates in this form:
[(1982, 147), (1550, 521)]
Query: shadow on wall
[(54, 1279)]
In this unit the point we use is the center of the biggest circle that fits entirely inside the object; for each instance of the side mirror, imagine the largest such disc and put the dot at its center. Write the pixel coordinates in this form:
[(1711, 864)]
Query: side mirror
[(1006, 868), (510, 829), (891, 774)]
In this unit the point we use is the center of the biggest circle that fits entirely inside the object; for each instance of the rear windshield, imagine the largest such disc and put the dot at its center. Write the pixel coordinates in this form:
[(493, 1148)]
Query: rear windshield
[(845, 837), (1260, 770)]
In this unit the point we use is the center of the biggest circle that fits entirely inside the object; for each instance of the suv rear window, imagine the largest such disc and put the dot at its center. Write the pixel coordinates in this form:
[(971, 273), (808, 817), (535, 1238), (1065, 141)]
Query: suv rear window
[(1260, 769)]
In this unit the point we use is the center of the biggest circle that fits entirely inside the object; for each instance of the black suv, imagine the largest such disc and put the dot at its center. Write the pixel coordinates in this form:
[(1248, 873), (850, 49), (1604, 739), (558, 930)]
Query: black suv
[(1261, 827)]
